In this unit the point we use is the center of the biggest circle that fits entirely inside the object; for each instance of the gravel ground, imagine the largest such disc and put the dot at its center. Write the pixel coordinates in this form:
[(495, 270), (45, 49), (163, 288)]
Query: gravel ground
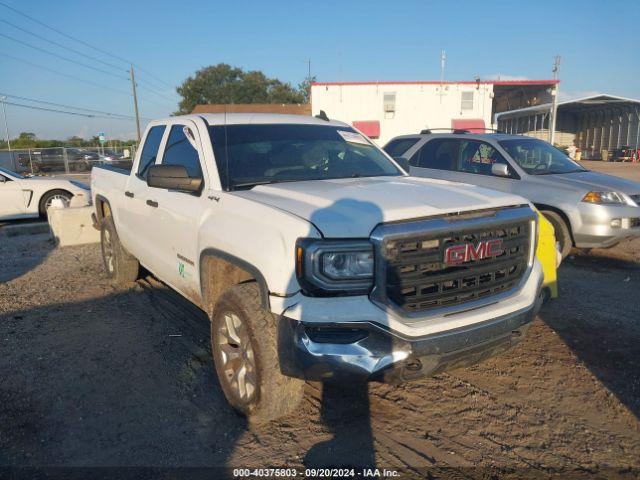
[(94, 375)]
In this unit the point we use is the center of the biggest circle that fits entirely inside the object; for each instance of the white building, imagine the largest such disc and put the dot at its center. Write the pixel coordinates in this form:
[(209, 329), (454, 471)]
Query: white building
[(383, 110)]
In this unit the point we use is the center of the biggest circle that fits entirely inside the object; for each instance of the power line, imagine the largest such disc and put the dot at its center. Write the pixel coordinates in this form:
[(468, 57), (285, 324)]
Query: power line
[(110, 114), (64, 34), (152, 87), (77, 52), (172, 100), (62, 56), (88, 115), (65, 75)]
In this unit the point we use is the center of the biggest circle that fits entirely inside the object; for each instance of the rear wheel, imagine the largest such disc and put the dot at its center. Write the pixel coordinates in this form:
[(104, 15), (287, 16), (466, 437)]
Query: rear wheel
[(121, 266), (245, 351), (48, 198), (563, 234)]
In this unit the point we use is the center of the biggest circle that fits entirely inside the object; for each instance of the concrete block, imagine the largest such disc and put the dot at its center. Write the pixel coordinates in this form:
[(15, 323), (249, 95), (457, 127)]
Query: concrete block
[(72, 226)]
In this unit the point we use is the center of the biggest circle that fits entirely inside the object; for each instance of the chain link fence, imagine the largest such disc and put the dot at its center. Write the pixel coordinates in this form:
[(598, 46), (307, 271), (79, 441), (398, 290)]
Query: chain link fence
[(65, 160)]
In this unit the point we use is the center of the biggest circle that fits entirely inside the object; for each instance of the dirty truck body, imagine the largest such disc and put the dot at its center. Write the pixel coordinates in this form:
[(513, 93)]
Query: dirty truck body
[(315, 255)]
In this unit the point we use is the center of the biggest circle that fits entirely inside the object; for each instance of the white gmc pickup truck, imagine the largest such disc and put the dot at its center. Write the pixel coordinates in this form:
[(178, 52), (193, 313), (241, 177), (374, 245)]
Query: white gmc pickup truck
[(315, 255)]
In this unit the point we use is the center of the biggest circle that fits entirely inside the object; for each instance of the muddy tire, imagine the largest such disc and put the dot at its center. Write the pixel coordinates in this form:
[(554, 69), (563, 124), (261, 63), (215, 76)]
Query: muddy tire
[(244, 340), (120, 265), (563, 234), (48, 197)]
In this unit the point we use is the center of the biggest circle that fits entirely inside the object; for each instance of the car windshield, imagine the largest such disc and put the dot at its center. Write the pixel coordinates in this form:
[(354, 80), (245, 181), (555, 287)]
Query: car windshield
[(249, 155), (537, 157), (11, 174)]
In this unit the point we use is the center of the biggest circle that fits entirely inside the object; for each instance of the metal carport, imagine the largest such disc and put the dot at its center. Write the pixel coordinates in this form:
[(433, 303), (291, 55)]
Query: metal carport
[(594, 124)]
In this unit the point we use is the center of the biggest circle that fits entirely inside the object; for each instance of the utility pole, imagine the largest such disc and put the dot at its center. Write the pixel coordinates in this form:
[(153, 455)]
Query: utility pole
[(443, 59), (309, 69), (554, 101), (6, 126), (135, 102)]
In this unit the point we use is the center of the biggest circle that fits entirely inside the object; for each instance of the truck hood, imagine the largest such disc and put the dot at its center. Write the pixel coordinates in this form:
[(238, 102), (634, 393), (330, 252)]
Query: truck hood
[(592, 181), (351, 208)]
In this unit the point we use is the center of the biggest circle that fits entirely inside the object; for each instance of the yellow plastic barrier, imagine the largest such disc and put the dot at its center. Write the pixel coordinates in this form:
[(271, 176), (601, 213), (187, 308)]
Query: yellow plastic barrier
[(547, 254)]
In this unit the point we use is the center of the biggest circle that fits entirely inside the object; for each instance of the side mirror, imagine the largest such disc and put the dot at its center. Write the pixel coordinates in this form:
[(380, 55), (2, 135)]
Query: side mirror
[(172, 177), (403, 162), (500, 170)]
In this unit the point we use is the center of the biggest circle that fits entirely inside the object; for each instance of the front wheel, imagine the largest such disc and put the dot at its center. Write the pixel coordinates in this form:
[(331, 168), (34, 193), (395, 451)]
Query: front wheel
[(245, 352), (563, 235), (121, 266)]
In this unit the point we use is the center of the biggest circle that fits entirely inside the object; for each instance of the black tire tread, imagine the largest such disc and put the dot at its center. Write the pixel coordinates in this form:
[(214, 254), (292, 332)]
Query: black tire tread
[(278, 395), (126, 266)]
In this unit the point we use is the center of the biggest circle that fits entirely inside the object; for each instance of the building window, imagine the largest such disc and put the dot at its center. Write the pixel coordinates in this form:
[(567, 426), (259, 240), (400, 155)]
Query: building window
[(467, 101), (389, 105)]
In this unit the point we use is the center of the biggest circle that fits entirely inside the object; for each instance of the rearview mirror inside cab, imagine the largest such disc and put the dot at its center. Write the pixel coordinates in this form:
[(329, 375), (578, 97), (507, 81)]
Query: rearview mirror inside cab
[(500, 170), (172, 177)]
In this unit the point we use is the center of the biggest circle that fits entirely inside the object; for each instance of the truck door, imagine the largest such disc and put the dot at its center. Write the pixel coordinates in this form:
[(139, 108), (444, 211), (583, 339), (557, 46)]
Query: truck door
[(136, 216), (175, 225)]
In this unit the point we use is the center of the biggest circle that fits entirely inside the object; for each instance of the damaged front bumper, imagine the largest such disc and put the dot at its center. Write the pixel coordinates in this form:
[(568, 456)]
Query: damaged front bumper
[(365, 351)]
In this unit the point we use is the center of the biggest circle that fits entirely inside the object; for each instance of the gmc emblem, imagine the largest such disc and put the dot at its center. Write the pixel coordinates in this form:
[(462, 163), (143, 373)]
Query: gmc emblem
[(467, 252)]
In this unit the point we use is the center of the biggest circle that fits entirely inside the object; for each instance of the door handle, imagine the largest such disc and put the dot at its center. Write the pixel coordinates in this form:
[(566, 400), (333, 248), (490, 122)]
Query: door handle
[(152, 203), (129, 194)]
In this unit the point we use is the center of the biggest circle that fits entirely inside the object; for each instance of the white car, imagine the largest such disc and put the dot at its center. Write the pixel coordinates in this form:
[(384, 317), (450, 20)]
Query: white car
[(22, 197)]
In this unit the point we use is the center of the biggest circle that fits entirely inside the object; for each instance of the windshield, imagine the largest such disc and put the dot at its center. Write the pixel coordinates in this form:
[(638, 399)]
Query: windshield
[(274, 153), (537, 157), (11, 174)]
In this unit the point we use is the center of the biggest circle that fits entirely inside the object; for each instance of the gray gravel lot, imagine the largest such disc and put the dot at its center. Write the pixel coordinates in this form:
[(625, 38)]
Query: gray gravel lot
[(93, 375)]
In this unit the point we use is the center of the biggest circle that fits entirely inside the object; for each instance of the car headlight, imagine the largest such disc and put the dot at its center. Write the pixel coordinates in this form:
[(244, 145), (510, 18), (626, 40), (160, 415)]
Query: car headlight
[(334, 267), (603, 198)]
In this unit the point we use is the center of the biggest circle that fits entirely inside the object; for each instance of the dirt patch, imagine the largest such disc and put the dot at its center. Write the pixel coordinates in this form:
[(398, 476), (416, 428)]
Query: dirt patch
[(94, 375)]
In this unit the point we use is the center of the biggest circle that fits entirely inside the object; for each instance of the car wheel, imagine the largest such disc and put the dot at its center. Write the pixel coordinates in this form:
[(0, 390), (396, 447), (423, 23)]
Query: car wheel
[(122, 267), (245, 352), (48, 198), (563, 234)]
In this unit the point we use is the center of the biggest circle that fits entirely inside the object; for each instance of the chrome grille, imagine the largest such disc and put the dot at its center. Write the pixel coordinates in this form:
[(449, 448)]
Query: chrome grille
[(417, 279)]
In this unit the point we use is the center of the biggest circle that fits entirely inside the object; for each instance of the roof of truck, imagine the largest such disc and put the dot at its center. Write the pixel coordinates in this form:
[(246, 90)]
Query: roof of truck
[(260, 118)]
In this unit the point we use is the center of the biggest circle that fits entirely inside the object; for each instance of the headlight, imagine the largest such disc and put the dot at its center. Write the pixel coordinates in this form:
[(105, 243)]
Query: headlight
[(334, 267), (603, 198)]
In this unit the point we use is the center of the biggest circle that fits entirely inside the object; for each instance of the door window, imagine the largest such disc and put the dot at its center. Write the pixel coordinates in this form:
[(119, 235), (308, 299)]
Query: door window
[(150, 150), (440, 154), (478, 157), (179, 151), (396, 148)]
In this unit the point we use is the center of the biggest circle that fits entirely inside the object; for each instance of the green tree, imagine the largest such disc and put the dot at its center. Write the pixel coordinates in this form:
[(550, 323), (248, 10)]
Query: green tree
[(305, 88), (223, 83), (25, 139)]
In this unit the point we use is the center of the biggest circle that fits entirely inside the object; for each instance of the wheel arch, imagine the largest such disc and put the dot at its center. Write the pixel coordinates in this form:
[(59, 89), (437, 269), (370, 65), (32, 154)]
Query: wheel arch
[(103, 208), (219, 270), (567, 221), (45, 193)]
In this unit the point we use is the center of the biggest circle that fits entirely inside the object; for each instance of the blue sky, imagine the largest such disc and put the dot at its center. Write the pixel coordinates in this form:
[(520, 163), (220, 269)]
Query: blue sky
[(345, 40)]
